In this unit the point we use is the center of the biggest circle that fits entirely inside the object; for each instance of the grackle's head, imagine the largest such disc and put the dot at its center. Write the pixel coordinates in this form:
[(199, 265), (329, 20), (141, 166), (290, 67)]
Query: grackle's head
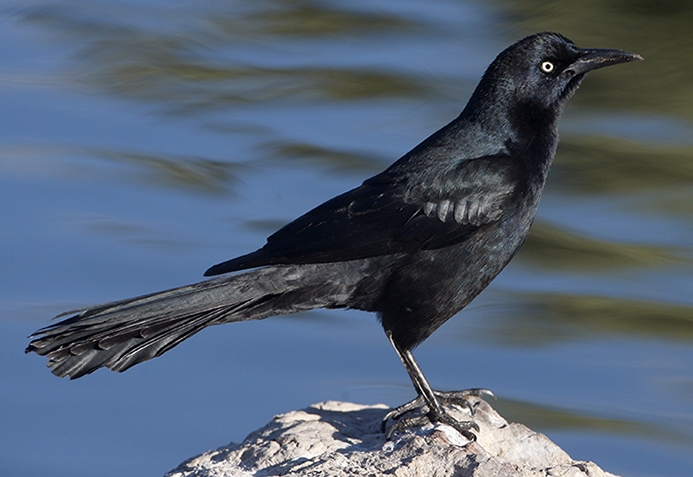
[(539, 73)]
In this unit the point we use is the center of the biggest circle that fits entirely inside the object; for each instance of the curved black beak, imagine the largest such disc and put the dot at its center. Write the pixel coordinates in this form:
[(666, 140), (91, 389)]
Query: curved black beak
[(593, 58)]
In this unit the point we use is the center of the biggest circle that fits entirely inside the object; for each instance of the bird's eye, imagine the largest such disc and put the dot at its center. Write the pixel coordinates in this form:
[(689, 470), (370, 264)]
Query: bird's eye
[(547, 67)]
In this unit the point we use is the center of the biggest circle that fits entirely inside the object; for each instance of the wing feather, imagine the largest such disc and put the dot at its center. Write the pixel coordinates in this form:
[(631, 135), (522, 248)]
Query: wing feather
[(390, 214)]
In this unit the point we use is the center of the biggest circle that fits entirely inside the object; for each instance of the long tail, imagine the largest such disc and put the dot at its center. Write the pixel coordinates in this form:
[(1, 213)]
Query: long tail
[(120, 334)]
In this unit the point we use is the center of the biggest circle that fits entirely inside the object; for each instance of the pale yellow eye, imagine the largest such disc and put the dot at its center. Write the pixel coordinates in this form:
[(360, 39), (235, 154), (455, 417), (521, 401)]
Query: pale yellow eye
[(547, 67)]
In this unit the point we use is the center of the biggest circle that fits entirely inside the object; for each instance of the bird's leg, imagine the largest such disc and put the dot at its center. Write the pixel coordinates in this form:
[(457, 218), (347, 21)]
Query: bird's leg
[(426, 395)]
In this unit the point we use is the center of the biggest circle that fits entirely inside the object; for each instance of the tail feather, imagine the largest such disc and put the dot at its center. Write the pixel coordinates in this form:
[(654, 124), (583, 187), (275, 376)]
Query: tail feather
[(120, 334)]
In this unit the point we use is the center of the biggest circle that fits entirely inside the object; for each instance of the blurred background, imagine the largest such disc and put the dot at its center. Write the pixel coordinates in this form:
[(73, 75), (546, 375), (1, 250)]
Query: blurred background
[(143, 141)]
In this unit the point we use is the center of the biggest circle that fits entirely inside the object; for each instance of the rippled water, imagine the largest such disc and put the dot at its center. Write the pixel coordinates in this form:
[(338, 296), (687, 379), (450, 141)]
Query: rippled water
[(141, 142)]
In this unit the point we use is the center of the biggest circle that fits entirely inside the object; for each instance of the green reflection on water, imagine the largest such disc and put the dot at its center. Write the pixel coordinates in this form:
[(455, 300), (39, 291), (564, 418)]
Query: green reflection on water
[(189, 84), (544, 318), (311, 18), (194, 174), (555, 248), (187, 68), (197, 173), (335, 160), (612, 165), (545, 418)]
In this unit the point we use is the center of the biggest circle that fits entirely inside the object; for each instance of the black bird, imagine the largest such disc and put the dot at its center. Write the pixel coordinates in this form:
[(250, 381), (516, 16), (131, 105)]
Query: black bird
[(415, 243)]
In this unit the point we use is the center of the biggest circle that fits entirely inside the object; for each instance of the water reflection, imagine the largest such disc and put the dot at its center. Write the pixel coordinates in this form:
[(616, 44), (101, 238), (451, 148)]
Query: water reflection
[(609, 165), (306, 18), (334, 161), (194, 174), (206, 175), (193, 68), (531, 319), (555, 248), (549, 418)]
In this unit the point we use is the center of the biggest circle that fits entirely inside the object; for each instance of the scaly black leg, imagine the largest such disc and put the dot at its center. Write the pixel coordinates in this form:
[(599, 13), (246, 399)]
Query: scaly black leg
[(432, 399)]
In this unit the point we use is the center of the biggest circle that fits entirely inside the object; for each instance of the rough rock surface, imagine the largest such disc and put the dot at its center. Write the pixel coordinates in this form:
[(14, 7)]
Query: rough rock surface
[(343, 439)]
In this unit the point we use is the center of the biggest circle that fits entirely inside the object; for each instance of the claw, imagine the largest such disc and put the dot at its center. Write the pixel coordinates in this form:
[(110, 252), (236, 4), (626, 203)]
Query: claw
[(408, 422), (463, 427), (398, 411), (459, 398)]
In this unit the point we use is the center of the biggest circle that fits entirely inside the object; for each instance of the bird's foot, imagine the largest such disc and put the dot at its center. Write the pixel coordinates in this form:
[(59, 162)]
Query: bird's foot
[(445, 398)]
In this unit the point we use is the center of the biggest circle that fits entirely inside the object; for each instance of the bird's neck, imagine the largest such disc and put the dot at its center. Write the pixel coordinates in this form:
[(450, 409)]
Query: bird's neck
[(529, 131)]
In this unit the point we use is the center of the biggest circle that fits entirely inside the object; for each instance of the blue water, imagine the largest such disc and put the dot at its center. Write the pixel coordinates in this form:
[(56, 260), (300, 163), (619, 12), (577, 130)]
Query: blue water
[(141, 142)]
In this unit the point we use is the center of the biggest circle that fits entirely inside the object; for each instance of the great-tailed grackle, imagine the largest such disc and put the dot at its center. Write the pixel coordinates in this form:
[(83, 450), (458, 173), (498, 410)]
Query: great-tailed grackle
[(415, 243)]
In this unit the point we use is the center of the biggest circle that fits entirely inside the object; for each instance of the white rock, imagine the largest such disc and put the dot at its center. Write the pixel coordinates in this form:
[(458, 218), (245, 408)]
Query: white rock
[(343, 439)]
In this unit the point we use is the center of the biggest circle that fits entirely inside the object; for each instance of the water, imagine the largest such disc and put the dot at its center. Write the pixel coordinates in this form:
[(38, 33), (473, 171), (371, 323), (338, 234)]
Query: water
[(141, 142)]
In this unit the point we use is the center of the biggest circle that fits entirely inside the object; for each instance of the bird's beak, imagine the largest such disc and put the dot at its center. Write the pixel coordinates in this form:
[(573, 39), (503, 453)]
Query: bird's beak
[(593, 58)]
